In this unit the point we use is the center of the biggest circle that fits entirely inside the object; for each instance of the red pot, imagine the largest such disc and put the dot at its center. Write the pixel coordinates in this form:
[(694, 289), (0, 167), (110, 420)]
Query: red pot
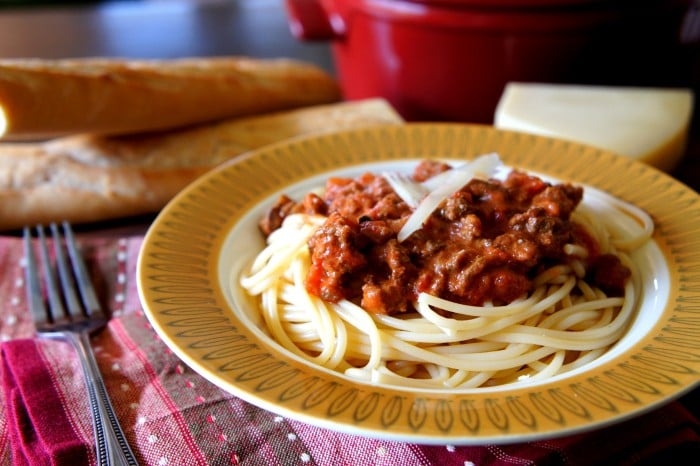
[(450, 59)]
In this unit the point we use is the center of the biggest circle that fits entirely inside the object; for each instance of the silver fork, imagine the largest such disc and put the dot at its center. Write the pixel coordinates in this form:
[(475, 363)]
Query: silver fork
[(74, 317)]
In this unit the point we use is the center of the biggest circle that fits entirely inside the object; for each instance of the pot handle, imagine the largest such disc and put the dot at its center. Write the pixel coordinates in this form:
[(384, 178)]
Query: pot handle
[(308, 20)]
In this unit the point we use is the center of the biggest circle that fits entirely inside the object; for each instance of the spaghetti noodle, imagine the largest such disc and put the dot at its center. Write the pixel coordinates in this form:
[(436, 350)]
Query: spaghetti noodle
[(564, 320)]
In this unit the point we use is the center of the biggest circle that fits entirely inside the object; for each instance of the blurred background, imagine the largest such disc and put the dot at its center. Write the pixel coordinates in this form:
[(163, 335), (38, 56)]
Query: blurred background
[(434, 59), (151, 29)]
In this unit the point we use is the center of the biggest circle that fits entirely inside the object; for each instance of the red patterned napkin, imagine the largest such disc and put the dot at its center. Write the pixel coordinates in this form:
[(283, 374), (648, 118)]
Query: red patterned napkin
[(39, 424), (172, 416)]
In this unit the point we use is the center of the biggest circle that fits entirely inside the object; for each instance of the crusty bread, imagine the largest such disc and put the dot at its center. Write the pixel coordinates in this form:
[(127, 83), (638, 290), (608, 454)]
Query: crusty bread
[(89, 178), (49, 98)]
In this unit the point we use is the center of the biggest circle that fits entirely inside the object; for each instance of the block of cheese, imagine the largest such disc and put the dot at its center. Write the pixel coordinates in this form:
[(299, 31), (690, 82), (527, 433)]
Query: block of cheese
[(648, 124)]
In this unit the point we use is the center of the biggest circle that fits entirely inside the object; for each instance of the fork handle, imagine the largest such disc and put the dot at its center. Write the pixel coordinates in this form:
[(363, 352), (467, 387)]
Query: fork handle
[(110, 441)]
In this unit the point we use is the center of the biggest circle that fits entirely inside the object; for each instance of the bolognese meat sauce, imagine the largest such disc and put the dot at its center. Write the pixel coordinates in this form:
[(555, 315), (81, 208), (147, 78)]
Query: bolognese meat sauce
[(484, 243)]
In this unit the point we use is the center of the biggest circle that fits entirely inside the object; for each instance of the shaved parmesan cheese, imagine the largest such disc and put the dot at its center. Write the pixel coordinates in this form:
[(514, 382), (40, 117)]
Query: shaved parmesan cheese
[(408, 190), (486, 168), (448, 183)]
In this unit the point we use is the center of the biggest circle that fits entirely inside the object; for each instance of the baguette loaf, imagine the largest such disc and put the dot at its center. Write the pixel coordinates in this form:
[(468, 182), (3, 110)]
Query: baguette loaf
[(49, 98), (89, 178)]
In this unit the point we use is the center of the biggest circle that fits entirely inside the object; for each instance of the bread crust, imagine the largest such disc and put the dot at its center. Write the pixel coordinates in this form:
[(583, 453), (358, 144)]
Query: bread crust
[(40, 98), (89, 178)]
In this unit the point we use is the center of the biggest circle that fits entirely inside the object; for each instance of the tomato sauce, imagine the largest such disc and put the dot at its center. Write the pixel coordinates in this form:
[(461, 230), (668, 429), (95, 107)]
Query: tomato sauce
[(484, 243)]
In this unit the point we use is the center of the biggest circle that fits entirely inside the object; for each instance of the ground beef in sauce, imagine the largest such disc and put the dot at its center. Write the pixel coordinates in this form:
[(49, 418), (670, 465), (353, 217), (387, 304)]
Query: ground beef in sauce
[(483, 244)]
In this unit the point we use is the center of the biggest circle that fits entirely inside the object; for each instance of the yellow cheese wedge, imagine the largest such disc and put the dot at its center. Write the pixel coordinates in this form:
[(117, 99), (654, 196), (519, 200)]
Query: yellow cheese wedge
[(648, 124)]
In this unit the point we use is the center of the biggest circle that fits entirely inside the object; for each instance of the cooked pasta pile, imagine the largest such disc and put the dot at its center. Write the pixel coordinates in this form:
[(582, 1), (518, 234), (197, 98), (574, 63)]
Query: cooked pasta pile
[(563, 324)]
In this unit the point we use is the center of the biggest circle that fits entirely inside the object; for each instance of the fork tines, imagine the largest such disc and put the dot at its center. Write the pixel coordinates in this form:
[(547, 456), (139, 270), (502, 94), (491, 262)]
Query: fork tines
[(62, 276)]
